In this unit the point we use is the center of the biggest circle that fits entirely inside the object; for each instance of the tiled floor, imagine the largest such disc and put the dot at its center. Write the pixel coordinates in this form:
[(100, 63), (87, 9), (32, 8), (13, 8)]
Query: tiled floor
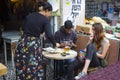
[(10, 73)]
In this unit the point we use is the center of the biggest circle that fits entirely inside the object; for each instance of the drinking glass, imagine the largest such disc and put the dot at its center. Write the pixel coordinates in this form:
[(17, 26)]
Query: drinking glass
[(67, 45)]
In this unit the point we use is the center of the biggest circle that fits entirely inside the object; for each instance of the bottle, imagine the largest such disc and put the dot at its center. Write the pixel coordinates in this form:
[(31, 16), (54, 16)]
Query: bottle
[(81, 54)]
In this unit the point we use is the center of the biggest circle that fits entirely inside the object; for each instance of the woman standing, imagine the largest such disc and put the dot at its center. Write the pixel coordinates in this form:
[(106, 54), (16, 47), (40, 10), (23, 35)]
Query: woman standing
[(28, 57), (95, 50)]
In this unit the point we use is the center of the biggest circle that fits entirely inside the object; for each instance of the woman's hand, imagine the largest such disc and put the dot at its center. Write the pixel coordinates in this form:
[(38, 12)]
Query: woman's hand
[(43, 36)]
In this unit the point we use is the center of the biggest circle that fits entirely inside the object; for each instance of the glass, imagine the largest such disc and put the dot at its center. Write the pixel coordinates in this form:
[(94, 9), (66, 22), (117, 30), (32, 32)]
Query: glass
[(66, 48), (67, 43), (81, 54)]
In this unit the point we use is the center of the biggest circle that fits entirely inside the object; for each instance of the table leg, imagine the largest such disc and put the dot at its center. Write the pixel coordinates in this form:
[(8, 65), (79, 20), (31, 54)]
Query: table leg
[(12, 55), (58, 69), (4, 77), (55, 69), (5, 53)]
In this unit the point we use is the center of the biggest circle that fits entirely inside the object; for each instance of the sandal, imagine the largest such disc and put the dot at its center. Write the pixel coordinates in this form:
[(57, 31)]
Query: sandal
[(81, 74)]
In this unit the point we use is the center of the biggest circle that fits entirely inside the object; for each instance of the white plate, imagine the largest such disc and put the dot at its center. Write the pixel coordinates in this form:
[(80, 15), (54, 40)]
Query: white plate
[(48, 49), (52, 50)]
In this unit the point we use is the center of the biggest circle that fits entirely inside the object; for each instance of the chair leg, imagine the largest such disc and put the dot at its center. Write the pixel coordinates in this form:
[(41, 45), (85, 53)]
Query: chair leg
[(4, 77)]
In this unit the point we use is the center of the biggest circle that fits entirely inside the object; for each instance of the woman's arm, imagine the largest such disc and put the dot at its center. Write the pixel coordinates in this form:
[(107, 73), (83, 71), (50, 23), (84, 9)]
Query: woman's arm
[(49, 33), (105, 49)]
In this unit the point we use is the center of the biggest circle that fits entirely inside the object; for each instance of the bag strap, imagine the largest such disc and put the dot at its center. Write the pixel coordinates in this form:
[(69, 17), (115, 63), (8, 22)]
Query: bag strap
[(108, 52)]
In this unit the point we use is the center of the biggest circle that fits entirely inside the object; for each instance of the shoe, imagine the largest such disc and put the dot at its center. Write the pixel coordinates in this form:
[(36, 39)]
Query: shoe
[(81, 74)]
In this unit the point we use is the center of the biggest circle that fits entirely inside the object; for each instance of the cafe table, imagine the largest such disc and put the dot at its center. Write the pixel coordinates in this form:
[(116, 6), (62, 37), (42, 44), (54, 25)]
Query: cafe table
[(58, 57)]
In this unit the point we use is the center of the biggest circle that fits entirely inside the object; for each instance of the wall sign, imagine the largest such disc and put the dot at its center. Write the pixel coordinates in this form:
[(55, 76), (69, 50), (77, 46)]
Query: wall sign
[(74, 10), (56, 7)]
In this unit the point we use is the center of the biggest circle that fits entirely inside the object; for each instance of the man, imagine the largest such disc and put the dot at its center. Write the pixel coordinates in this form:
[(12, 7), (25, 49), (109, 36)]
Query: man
[(66, 33), (65, 36)]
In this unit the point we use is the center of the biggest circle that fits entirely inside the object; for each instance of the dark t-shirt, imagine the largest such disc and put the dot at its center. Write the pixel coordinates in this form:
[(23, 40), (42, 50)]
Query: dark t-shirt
[(35, 24)]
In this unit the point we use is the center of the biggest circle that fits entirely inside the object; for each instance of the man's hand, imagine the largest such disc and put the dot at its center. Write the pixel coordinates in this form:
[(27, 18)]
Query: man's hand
[(74, 45), (60, 45), (57, 45)]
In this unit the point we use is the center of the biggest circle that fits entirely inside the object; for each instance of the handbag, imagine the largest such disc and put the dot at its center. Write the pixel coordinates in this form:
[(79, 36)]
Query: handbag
[(104, 62)]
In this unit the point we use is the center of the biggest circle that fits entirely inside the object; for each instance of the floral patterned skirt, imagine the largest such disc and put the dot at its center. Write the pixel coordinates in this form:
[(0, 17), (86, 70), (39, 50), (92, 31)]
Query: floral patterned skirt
[(28, 59)]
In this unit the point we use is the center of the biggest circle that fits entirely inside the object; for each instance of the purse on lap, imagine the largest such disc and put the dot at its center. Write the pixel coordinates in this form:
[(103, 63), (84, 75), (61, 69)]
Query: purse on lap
[(104, 62)]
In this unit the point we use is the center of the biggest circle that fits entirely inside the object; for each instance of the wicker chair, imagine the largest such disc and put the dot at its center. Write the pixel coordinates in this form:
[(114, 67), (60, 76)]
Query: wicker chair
[(3, 70)]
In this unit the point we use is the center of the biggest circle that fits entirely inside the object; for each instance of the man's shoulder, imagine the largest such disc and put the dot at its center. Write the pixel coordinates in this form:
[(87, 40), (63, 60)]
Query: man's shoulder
[(59, 30), (73, 31)]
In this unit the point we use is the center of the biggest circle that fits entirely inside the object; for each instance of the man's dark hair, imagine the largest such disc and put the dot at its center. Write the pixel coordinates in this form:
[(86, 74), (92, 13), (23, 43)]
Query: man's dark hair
[(45, 5), (68, 24)]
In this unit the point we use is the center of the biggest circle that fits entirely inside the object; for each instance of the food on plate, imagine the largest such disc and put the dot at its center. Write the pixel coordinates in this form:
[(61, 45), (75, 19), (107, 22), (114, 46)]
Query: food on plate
[(53, 50), (63, 53)]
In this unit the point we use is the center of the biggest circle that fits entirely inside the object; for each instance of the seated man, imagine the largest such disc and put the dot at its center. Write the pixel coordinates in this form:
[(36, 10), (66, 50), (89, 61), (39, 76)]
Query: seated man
[(66, 33), (66, 36)]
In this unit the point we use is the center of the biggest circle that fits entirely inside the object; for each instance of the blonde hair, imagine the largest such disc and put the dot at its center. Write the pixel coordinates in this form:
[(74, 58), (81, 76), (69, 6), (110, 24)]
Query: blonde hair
[(40, 8)]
